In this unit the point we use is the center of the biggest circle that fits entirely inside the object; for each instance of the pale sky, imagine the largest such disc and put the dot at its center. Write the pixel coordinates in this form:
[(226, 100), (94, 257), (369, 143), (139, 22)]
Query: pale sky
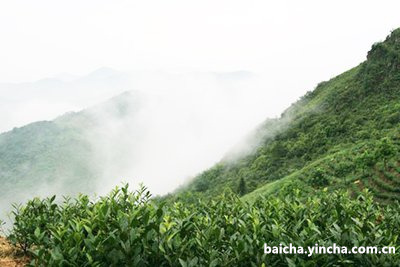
[(301, 40)]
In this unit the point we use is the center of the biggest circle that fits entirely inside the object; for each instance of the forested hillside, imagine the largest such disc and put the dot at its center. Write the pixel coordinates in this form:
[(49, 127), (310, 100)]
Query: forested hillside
[(57, 154), (345, 131)]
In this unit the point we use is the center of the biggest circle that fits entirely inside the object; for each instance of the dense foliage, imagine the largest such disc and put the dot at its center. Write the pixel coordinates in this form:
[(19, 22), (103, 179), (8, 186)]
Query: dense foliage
[(128, 229)]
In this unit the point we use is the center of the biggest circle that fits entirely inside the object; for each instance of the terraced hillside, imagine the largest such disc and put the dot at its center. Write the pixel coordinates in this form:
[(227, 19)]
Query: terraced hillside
[(384, 182), (337, 136)]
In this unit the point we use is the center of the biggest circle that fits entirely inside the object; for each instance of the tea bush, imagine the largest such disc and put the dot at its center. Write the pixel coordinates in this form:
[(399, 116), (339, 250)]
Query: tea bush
[(131, 229)]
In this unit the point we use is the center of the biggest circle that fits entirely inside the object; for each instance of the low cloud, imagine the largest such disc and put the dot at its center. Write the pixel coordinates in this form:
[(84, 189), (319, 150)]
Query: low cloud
[(167, 127)]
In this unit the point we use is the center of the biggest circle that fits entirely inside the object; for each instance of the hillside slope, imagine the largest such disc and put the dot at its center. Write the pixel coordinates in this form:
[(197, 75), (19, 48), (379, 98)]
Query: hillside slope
[(49, 157), (342, 134)]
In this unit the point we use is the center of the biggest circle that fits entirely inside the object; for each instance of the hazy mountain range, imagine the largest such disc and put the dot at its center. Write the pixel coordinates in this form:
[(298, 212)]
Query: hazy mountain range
[(154, 122)]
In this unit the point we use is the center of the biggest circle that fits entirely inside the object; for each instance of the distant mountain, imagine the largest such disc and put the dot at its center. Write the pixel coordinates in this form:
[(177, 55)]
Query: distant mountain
[(47, 98), (345, 133)]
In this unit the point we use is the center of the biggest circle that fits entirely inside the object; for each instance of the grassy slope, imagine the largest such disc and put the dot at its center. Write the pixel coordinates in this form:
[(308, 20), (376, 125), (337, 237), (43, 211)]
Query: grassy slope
[(320, 136)]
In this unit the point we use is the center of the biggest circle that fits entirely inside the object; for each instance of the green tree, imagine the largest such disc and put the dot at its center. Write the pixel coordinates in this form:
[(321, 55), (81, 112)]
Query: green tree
[(242, 188), (201, 185)]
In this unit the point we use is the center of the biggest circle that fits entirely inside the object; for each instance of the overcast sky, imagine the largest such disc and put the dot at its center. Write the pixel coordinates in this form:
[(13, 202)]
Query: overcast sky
[(304, 40)]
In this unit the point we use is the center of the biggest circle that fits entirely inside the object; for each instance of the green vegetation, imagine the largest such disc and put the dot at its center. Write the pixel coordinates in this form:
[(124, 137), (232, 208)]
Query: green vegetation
[(128, 229), (242, 189), (327, 171), (330, 137), (43, 150), (58, 153)]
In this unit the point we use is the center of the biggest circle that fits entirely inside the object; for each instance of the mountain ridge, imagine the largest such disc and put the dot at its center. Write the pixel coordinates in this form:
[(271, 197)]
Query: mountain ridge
[(360, 105)]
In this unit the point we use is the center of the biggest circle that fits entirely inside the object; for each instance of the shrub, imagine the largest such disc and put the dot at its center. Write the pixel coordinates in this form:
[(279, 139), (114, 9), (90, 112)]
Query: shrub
[(129, 229)]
